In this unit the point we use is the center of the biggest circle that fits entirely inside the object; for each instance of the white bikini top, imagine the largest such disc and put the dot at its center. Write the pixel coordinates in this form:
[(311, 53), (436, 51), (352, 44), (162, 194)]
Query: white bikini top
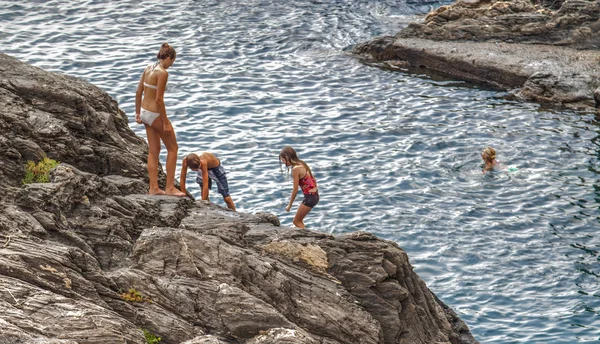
[(150, 86), (153, 67)]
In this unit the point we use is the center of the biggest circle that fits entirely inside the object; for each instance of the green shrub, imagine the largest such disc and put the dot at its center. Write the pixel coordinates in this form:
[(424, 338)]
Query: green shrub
[(40, 172), (151, 338)]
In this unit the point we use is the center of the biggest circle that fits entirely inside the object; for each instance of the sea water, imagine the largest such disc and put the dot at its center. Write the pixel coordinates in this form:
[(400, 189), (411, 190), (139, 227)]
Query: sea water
[(397, 154)]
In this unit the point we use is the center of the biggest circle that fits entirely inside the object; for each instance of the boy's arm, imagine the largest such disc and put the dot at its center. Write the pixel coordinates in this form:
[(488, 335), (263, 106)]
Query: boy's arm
[(204, 180), (183, 175)]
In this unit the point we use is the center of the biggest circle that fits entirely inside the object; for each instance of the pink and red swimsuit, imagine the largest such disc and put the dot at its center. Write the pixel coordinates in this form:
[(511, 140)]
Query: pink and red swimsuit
[(308, 183)]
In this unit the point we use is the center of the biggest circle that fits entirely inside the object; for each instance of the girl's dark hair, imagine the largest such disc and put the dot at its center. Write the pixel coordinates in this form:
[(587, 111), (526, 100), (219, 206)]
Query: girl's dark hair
[(288, 153), (166, 51)]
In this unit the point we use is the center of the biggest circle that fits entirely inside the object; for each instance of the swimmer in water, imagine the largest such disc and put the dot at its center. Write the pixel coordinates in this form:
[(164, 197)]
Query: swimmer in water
[(489, 158), (304, 178)]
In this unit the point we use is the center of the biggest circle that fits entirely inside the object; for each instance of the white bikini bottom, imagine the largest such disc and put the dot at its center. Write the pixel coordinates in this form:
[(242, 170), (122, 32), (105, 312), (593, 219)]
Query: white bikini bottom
[(148, 117)]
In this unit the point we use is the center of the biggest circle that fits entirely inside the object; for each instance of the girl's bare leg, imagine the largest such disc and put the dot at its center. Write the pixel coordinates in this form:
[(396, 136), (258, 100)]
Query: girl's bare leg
[(300, 214), (153, 152)]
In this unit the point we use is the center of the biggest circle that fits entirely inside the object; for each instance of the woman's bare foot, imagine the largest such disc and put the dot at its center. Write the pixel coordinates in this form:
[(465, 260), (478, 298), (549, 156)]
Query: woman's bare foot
[(175, 192), (156, 192)]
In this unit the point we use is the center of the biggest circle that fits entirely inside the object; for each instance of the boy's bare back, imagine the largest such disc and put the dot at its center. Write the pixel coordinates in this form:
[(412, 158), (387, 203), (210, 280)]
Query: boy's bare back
[(209, 159)]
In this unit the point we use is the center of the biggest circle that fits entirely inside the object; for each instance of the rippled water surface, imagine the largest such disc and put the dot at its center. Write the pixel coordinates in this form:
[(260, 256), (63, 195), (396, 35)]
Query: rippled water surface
[(516, 254)]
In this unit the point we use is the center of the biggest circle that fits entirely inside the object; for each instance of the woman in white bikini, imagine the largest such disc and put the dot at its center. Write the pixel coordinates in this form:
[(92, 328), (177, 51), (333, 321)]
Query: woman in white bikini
[(151, 111)]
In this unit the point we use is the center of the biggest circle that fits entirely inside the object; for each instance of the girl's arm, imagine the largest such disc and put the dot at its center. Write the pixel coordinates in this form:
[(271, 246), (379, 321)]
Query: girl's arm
[(138, 98), (161, 85), (183, 175), (296, 176)]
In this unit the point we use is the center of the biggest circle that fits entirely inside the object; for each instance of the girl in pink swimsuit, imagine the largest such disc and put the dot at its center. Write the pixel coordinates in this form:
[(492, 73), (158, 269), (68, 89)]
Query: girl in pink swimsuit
[(304, 178)]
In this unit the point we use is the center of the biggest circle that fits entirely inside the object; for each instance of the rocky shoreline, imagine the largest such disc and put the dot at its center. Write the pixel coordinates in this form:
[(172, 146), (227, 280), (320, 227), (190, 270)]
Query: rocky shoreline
[(547, 53), (90, 258)]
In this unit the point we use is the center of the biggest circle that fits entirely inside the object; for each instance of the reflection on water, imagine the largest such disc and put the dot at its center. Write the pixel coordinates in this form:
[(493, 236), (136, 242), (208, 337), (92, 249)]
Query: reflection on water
[(396, 154)]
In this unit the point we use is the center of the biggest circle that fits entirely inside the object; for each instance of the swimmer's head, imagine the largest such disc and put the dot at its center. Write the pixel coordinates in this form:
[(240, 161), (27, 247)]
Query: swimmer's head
[(166, 51), (488, 154), (193, 161)]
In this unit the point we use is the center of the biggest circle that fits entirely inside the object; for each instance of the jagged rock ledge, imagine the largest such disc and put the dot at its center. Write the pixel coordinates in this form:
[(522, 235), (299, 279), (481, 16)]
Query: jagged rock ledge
[(546, 55), (71, 249)]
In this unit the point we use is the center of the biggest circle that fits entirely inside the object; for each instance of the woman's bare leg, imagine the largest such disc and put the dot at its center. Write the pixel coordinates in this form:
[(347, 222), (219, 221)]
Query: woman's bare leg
[(300, 214), (170, 142), (153, 152)]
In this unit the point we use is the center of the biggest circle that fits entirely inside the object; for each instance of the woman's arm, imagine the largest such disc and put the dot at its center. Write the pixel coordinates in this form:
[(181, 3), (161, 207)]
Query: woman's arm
[(161, 85), (296, 176), (138, 98), (183, 175)]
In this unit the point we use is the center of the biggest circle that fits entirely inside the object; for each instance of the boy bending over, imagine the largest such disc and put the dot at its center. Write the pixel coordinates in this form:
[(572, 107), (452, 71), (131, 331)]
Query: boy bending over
[(208, 168)]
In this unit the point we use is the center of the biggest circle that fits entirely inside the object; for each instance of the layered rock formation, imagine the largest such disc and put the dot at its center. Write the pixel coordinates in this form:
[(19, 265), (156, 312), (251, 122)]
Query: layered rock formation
[(90, 258), (574, 23), (514, 45)]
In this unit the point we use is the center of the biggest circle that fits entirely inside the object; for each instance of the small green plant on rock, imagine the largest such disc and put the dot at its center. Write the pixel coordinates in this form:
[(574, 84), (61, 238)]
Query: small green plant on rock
[(135, 296), (151, 338), (40, 172)]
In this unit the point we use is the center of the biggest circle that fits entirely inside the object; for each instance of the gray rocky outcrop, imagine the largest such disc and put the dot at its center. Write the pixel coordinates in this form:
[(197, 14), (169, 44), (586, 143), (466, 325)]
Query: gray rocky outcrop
[(550, 56), (575, 23), (90, 258)]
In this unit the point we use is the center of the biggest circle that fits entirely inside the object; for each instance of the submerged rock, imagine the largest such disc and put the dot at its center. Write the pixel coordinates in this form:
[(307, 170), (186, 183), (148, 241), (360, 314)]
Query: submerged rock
[(91, 258), (517, 45)]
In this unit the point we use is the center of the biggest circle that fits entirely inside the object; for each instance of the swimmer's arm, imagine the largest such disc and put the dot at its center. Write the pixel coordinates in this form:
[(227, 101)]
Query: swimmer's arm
[(183, 175), (296, 176), (204, 180)]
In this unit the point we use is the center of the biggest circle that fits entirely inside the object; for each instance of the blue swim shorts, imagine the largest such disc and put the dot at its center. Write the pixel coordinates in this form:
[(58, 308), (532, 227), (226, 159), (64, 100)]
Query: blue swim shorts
[(219, 176)]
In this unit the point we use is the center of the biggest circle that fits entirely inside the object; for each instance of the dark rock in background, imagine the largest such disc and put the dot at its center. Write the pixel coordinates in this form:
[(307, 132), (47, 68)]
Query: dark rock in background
[(574, 23), (549, 55)]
